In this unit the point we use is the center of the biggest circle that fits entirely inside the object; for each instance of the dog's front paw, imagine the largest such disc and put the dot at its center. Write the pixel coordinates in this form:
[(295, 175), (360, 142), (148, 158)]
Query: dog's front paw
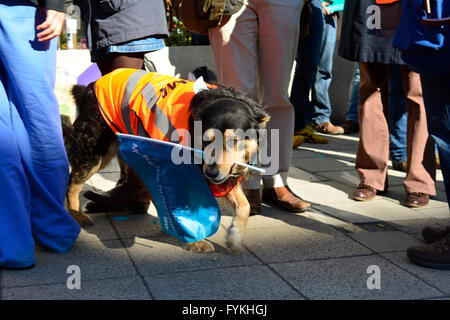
[(233, 239), (82, 218), (201, 246)]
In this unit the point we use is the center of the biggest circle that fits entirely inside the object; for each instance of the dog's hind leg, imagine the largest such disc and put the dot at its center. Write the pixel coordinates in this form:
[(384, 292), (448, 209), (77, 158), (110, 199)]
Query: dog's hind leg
[(241, 208), (84, 169)]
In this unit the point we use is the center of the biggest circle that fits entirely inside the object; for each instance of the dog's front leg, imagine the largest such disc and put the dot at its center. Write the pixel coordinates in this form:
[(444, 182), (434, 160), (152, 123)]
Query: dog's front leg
[(241, 208), (73, 202)]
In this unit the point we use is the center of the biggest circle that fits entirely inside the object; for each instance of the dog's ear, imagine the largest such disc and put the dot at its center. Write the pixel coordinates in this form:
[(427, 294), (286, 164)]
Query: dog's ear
[(262, 118), (198, 103), (78, 93), (259, 115)]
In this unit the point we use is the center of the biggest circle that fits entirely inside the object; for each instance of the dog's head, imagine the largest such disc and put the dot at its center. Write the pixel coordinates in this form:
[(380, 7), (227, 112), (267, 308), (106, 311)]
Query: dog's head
[(230, 127)]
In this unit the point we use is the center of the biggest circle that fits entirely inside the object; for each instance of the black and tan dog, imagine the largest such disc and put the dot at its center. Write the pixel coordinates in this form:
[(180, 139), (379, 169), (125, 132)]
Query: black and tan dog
[(91, 144)]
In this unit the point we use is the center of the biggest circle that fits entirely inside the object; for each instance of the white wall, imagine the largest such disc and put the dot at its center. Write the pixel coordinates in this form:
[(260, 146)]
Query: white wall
[(179, 61)]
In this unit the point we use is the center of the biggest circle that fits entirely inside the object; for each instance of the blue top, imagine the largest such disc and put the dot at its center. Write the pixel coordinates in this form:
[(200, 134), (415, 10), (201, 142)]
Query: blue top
[(425, 49)]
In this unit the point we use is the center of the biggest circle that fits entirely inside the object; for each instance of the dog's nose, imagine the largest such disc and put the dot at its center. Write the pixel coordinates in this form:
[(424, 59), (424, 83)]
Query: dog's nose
[(212, 171)]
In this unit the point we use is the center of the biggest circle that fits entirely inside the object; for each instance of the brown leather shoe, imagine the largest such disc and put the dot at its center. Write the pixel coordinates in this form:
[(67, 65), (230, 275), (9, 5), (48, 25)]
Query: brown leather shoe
[(254, 199), (284, 198), (364, 193), (433, 234), (435, 255), (417, 199), (328, 128)]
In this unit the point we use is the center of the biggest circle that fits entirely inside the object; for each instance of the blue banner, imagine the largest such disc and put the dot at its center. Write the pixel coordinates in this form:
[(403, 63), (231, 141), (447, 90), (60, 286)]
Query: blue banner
[(186, 206)]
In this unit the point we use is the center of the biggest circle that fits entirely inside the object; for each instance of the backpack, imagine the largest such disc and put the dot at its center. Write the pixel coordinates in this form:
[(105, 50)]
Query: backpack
[(200, 15)]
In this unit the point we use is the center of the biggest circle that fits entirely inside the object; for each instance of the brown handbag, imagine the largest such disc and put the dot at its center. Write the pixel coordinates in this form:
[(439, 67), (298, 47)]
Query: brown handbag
[(200, 15)]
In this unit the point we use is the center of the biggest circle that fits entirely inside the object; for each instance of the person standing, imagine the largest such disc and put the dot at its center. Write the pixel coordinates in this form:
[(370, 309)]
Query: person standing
[(424, 40), (254, 52), (375, 55), (119, 34), (320, 121), (34, 169), (307, 61)]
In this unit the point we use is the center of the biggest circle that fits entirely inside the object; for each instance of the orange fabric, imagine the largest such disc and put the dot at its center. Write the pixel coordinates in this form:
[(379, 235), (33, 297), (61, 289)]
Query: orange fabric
[(173, 97)]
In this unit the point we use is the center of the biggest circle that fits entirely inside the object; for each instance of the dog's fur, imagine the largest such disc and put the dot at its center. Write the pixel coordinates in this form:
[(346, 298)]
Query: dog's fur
[(91, 145)]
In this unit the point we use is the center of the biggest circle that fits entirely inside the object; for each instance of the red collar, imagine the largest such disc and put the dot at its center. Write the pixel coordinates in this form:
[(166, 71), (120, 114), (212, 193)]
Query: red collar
[(221, 190)]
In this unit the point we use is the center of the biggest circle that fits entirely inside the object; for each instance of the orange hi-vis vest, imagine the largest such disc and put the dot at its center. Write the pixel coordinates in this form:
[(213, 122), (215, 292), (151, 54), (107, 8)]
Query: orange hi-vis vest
[(145, 103)]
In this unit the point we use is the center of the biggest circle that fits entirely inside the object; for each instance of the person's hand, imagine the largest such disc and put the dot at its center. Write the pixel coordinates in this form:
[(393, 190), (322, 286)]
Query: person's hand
[(52, 26), (324, 8)]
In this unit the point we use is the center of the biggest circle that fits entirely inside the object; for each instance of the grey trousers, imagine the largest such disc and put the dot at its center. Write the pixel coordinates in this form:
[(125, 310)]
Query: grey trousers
[(254, 52)]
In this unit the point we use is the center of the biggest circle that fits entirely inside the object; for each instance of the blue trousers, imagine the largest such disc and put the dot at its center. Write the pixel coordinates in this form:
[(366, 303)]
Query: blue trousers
[(436, 97), (307, 60), (34, 167), (320, 96)]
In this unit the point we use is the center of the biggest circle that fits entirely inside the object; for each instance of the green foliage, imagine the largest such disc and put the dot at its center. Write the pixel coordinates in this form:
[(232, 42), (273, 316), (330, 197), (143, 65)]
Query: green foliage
[(178, 34)]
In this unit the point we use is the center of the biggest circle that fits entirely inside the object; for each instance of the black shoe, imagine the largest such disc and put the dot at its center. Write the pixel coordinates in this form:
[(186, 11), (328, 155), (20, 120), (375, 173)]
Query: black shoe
[(95, 207), (435, 255), (400, 166), (433, 234)]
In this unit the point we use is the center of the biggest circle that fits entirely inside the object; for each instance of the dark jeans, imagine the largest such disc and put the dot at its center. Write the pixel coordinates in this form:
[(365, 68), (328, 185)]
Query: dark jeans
[(320, 97), (436, 95), (308, 57)]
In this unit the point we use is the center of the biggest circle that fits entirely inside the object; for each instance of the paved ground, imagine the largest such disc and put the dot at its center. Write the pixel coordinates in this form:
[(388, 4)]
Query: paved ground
[(324, 254)]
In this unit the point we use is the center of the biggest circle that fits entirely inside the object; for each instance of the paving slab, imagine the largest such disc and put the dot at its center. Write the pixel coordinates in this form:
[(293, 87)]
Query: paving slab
[(385, 241), (346, 278), (371, 211), (96, 260), (303, 154), (324, 193), (272, 218), (163, 255), (136, 225), (294, 243), (437, 278), (437, 212), (104, 180), (304, 176), (131, 288), (322, 163), (350, 177), (414, 227), (102, 229), (113, 166), (237, 283)]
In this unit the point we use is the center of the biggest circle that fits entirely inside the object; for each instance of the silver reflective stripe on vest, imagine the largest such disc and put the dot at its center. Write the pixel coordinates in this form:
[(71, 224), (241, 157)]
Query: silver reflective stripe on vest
[(125, 106), (162, 122)]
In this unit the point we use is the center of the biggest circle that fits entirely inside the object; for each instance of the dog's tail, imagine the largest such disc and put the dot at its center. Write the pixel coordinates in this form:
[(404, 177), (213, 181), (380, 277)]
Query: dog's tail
[(79, 95)]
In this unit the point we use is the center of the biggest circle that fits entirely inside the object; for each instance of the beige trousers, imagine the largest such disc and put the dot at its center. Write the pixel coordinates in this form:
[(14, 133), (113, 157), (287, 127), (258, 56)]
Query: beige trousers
[(373, 148), (254, 52)]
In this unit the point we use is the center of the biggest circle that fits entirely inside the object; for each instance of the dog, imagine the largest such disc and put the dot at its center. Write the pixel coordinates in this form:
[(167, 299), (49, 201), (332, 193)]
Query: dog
[(91, 144)]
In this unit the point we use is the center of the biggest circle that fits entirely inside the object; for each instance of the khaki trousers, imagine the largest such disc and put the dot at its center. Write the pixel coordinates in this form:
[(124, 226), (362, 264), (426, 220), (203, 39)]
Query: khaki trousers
[(254, 52), (373, 148)]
